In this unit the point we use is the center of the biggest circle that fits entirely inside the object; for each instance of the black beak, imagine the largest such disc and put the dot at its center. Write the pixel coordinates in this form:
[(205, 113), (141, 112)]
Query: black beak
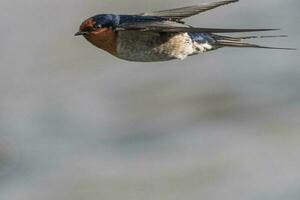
[(80, 33)]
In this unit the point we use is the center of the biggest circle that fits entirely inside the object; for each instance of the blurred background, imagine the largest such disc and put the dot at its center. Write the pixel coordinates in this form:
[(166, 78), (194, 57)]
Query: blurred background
[(77, 123)]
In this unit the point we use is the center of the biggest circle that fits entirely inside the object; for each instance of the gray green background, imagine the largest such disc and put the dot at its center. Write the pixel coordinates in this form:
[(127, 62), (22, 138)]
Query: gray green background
[(79, 124)]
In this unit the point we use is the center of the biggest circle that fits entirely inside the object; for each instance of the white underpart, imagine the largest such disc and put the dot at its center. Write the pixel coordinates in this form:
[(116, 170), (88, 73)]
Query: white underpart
[(151, 46), (188, 50), (202, 47)]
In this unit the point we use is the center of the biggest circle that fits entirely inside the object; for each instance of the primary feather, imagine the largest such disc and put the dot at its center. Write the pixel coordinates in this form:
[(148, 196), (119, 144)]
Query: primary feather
[(169, 21), (171, 26), (184, 12)]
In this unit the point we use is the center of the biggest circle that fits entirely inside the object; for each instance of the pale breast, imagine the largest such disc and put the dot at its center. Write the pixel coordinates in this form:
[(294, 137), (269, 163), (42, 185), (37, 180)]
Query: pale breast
[(149, 46)]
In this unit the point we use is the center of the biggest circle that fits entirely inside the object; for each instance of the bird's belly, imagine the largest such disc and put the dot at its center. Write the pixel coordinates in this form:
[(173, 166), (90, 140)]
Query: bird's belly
[(149, 46)]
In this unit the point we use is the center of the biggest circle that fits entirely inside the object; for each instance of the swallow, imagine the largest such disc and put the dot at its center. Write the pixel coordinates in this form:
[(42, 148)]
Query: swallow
[(162, 35)]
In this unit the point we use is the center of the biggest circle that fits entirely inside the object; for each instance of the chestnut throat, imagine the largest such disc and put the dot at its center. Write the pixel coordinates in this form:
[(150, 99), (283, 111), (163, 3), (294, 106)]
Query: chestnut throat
[(105, 39)]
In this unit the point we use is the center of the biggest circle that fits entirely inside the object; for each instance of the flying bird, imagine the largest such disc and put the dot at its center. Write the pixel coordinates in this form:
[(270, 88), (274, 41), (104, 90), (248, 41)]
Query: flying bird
[(162, 35)]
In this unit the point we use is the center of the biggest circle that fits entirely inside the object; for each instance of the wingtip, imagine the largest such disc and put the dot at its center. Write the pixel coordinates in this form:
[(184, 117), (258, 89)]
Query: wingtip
[(272, 29), (291, 49), (273, 36), (280, 48), (231, 1), (224, 2)]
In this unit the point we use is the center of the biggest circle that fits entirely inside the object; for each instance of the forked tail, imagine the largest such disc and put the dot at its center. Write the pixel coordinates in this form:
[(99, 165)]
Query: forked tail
[(227, 41)]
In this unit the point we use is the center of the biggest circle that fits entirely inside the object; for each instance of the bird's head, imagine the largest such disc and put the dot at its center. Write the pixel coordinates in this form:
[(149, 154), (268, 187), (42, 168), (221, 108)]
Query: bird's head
[(99, 30), (98, 24)]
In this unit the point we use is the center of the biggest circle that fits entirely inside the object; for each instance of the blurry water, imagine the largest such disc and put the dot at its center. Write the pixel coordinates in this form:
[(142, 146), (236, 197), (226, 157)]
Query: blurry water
[(76, 123)]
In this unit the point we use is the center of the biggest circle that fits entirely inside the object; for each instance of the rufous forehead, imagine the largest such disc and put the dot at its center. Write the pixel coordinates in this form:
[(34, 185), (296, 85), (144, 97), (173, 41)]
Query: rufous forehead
[(87, 23)]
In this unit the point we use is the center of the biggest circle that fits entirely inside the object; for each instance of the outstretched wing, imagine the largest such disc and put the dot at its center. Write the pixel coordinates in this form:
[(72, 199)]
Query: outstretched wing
[(171, 26), (180, 13)]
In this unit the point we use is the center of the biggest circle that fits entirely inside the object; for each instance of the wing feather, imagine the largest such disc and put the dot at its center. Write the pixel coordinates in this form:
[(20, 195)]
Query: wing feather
[(171, 26), (247, 45), (180, 13)]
